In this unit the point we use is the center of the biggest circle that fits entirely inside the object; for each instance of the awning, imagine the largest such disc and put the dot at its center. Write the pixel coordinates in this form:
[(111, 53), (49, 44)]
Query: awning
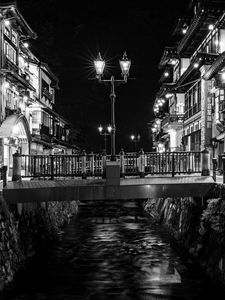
[(15, 126)]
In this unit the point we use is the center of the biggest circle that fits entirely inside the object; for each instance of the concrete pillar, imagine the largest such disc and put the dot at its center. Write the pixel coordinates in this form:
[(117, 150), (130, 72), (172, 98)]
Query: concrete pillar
[(104, 164), (84, 167), (16, 176), (205, 159), (92, 163), (141, 165), (122, 163)]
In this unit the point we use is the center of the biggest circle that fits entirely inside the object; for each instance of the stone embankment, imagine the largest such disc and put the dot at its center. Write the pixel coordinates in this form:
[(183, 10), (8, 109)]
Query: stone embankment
[(25, 229), (198, 225)]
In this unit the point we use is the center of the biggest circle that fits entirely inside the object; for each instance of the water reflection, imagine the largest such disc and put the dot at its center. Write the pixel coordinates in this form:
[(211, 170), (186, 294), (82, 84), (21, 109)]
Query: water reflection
[(102, 256)]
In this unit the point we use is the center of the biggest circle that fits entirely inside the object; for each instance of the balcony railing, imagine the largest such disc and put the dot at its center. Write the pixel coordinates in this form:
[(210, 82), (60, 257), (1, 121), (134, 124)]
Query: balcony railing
[(172, 119), (11, 66), (47, 94)]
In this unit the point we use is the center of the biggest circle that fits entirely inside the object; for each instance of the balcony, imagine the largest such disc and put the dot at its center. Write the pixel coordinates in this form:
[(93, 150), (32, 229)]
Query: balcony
[(47, 94), (172, 122)]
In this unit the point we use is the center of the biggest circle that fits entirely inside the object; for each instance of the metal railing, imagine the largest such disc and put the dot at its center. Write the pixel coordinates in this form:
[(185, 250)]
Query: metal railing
[(84, 165)]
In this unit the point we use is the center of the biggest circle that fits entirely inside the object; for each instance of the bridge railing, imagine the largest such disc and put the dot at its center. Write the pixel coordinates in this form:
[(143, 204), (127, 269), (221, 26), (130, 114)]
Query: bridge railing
[(83, 165)]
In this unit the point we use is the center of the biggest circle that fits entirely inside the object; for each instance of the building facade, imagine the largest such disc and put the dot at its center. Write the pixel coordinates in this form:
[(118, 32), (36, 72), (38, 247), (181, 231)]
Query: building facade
[(28, 122), (189, 106)]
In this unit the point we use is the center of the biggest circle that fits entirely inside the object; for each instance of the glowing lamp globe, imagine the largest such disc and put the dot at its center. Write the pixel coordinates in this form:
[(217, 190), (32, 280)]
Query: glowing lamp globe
[(125, 65), (99, 64)]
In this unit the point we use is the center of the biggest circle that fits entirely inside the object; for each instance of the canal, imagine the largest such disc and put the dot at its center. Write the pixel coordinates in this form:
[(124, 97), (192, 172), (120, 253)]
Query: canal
[(112, 252)]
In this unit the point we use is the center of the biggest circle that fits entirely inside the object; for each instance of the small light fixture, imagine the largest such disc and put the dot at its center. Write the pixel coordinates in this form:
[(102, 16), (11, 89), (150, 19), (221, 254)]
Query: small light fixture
[(132, 137), (196, 65), (184, 30), (166, 74), (99, 64), (211, 26), (26, 45), (6, 85), (7, 22), (168, 95), (173, 62)]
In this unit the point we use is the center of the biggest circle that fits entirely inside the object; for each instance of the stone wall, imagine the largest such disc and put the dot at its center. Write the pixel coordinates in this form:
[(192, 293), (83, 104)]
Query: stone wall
[(26, 229), (198, 225)]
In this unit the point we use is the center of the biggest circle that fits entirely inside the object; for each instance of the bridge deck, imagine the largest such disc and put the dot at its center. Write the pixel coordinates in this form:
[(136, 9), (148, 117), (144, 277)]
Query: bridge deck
[(97, 189)]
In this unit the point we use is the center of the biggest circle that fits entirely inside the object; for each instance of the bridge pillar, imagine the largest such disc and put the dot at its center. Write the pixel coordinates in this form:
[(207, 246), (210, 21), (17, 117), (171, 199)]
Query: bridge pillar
[(16, 176), (122, 163), (205, 158)]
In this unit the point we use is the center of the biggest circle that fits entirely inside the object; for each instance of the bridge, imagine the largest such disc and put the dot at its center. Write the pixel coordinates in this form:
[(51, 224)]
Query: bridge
[(94, 177)]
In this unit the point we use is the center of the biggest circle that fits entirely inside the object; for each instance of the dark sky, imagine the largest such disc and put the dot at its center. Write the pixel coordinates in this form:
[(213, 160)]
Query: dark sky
[(70, 35)]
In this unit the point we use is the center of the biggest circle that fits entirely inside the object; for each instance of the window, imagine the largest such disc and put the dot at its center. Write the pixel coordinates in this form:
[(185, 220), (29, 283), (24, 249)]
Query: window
[(36, 117), (14, 37), (7, 32), (10, 52), (11, 99), (193, 100)]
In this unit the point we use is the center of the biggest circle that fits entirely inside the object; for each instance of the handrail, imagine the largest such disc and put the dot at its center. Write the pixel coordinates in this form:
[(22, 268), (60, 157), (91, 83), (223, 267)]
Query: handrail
[(94, 164)]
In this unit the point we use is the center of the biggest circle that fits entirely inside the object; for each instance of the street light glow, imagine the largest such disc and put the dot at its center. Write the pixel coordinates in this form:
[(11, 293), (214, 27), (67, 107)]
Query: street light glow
[(109, 128), (100, 128)]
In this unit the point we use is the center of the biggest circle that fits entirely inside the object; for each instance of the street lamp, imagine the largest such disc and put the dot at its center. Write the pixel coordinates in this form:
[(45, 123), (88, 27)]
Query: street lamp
[(136, 140), (99, 64), (105, 132)]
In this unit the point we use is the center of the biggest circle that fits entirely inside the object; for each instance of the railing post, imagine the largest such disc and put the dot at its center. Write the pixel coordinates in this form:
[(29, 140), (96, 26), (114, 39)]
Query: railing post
[(16, 176), (92, 162), (214, 162), (142, 163), (104, 164), (52, 166), (205, 162), (173, 165), (122, 163), (84, 167)]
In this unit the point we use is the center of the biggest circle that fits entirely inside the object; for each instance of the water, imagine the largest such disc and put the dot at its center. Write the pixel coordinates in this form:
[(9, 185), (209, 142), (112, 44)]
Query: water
[(112, 253)]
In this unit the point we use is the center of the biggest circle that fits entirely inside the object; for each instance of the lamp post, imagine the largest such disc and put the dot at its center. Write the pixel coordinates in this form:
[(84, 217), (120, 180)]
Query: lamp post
[(105, 132), (136, 140), (99, 64)]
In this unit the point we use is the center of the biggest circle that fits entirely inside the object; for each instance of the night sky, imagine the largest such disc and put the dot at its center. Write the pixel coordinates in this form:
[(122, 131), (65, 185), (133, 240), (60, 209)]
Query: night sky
[(70, 35)]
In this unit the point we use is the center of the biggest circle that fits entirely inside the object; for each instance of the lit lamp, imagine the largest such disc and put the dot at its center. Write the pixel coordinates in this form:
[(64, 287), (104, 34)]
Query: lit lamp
[(105, 132), (99, 65), (136, 140)]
